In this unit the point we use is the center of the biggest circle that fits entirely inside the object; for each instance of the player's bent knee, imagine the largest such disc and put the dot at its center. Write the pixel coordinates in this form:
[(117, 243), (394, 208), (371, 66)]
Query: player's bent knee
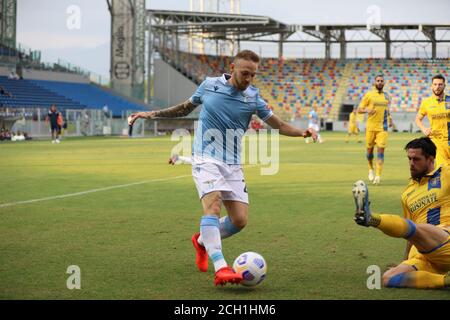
[(391, 278), (394, 277), (240, 222), (213, 208), (386, 278), (212, 203)]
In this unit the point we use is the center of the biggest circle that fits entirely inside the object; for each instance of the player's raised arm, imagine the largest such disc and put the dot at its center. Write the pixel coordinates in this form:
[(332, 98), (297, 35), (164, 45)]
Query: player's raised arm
[(289, 130), (178, 111)]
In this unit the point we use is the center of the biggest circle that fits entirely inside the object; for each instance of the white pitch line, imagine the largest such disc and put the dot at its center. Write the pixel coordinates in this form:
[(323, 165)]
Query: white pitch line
[(88, 191)]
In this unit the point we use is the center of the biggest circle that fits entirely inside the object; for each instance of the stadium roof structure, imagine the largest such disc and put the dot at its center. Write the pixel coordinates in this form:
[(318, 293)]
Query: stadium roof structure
[(218, 26), (169, 25), (165, 28)]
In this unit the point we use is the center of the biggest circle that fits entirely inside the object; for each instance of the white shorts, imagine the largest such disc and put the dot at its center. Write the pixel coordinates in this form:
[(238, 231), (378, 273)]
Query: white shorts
[(315, 126), (212, 175)]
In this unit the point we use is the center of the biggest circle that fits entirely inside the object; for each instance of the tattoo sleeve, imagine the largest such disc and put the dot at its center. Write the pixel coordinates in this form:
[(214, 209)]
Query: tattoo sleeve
[(177, 111)]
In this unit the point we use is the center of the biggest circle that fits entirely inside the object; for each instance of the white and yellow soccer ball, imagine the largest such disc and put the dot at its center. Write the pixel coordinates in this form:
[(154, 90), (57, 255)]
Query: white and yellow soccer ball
[(252, 266)]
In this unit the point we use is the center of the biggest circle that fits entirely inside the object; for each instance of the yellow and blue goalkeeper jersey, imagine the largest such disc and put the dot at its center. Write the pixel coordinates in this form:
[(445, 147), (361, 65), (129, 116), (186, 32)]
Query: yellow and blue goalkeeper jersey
[(428, 200), (380, 102), (438, 113)]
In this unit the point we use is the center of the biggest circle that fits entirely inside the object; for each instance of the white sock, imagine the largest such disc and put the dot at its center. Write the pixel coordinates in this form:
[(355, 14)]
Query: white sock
[(210, 234)]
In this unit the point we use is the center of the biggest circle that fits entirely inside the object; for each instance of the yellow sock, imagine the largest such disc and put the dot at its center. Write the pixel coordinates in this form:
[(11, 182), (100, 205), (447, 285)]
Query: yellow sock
[(379, 167), (418, 280), (393, 226), (370, 162)]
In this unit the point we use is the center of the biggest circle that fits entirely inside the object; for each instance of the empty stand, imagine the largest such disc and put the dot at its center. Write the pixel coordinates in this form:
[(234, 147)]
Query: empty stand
[(65, 95), (26, 94), (91, 96), (293, 86)]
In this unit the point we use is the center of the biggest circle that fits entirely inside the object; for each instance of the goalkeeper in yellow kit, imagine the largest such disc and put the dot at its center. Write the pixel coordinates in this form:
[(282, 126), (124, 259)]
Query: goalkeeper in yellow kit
[(426, 222), (376, 104)]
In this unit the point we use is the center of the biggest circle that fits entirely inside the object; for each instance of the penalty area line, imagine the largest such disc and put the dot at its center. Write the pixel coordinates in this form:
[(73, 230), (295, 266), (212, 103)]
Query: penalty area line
[(4, 205)]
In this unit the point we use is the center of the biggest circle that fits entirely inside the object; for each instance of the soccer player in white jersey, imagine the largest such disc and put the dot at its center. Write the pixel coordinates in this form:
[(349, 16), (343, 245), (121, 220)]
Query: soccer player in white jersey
[(314, 123), (228, 103)]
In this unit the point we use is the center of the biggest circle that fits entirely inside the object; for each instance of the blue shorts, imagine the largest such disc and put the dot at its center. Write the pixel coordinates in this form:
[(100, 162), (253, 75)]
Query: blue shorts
[(55, 128)]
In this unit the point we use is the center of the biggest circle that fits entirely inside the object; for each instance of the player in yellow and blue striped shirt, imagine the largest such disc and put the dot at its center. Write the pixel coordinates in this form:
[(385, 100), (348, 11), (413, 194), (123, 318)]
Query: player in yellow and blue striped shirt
[(426, 222)]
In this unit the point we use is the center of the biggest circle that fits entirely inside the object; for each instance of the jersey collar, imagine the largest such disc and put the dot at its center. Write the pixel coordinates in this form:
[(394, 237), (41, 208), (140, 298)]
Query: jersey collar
[(431, 174), (436, 98), (224, 79), (434, 172), (376, 91)]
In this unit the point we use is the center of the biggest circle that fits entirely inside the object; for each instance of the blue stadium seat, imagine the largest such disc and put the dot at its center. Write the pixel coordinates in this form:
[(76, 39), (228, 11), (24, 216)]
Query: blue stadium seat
[(91, 96), (25, 94), (65, 95)]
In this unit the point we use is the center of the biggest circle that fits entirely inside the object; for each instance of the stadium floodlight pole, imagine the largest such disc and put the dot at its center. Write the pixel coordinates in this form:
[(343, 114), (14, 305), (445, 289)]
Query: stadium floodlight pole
[(131, 3), (110, 9), (150, 59), (177, 48)]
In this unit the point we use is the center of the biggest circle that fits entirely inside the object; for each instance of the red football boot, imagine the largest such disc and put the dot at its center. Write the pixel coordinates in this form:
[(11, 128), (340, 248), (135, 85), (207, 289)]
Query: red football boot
[(227, 275), (201, 259)]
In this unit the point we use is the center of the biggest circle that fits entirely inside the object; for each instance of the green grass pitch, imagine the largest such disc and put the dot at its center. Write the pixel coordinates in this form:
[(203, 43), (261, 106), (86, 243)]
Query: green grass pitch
[(133, 242)]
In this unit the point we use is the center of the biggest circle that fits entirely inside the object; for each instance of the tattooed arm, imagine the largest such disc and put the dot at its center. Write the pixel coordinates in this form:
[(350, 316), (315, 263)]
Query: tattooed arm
[(180, 110)]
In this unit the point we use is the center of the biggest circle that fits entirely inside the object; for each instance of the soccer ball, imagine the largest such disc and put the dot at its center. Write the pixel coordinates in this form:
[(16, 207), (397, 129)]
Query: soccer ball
[(252, 266)]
